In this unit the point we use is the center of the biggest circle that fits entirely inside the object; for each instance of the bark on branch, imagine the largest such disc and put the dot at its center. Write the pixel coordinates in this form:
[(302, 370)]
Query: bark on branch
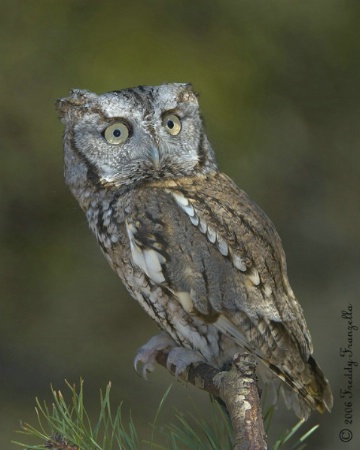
[(237, 388)]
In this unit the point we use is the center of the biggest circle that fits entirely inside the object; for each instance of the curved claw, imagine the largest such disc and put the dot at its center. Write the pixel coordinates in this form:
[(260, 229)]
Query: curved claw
[(147, 353), (147, 362)]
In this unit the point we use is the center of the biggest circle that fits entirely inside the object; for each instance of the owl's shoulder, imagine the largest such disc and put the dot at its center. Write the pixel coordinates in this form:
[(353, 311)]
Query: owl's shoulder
[(216, 197), (213, 197)]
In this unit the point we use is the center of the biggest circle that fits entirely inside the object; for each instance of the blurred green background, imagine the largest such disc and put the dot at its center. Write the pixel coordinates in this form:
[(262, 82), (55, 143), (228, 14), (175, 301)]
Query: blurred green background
[(279, 90)]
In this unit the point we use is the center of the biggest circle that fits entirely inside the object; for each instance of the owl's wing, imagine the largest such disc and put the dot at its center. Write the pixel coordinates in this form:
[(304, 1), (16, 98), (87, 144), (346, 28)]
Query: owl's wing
[(219, 255), (254, 247), (217, 250)]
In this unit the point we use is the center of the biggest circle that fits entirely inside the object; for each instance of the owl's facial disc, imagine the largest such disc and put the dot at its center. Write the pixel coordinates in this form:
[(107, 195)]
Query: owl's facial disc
[(135, 135)]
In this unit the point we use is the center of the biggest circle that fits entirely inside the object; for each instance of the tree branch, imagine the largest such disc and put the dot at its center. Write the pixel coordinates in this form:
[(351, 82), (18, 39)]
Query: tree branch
[(237, 389)]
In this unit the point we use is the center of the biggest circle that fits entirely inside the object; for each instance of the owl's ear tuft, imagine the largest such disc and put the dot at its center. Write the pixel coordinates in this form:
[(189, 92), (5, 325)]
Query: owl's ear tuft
[(191, 88), (188, 94), (78, 99)]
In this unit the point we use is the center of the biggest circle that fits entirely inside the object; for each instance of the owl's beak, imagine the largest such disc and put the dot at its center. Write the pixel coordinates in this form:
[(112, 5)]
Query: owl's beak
[(154, 155)]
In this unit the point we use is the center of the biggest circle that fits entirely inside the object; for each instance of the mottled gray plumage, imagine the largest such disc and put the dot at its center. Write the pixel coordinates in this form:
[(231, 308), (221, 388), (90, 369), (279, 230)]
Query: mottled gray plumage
[(200, 257)]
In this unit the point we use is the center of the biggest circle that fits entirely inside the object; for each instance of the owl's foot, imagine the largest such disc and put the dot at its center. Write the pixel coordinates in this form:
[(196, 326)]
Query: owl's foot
[(178, 358), (181, 358), (147, 353)]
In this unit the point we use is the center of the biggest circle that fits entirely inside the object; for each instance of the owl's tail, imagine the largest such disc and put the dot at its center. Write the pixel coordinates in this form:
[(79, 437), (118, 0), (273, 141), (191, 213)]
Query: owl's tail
[(319, 388), (315, 393)]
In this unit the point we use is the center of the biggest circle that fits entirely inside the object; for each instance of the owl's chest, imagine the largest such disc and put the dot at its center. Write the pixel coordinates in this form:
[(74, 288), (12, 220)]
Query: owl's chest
[(107, 221)]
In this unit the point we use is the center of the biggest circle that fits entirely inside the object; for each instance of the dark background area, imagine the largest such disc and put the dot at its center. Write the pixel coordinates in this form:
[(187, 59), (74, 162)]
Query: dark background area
[(279, 90)]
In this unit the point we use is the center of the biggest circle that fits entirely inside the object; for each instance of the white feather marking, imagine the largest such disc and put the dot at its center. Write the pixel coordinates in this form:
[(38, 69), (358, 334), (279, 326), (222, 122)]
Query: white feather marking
[(254, 277), (131, 227), (262, 326), (153, 261), (194, 220), (185, 300), (148, 260), (185, 205), (211, 234), (267, 290), (223, 247), (239, 263), (202, 226), (114, 238), (189, 209), (180, 199)]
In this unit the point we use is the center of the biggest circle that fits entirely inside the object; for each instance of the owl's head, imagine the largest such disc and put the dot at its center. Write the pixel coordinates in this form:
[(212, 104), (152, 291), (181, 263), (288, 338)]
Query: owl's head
[(133, 135)]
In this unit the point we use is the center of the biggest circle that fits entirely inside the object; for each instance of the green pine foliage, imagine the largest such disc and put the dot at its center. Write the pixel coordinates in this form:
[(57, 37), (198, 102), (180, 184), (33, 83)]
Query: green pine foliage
[(65, 426)]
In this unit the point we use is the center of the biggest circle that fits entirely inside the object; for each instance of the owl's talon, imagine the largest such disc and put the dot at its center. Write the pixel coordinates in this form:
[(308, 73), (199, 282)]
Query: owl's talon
[(147, 353), (148, 367), (181, 358)]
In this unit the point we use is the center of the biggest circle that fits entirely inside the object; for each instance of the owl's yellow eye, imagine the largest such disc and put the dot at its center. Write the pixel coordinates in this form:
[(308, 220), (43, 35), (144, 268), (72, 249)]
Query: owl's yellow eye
[(172, 124), (117, 133)]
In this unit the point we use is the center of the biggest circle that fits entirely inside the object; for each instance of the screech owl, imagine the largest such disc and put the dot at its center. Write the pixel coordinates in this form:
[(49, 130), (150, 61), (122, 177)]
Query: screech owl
[(201, 258)]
